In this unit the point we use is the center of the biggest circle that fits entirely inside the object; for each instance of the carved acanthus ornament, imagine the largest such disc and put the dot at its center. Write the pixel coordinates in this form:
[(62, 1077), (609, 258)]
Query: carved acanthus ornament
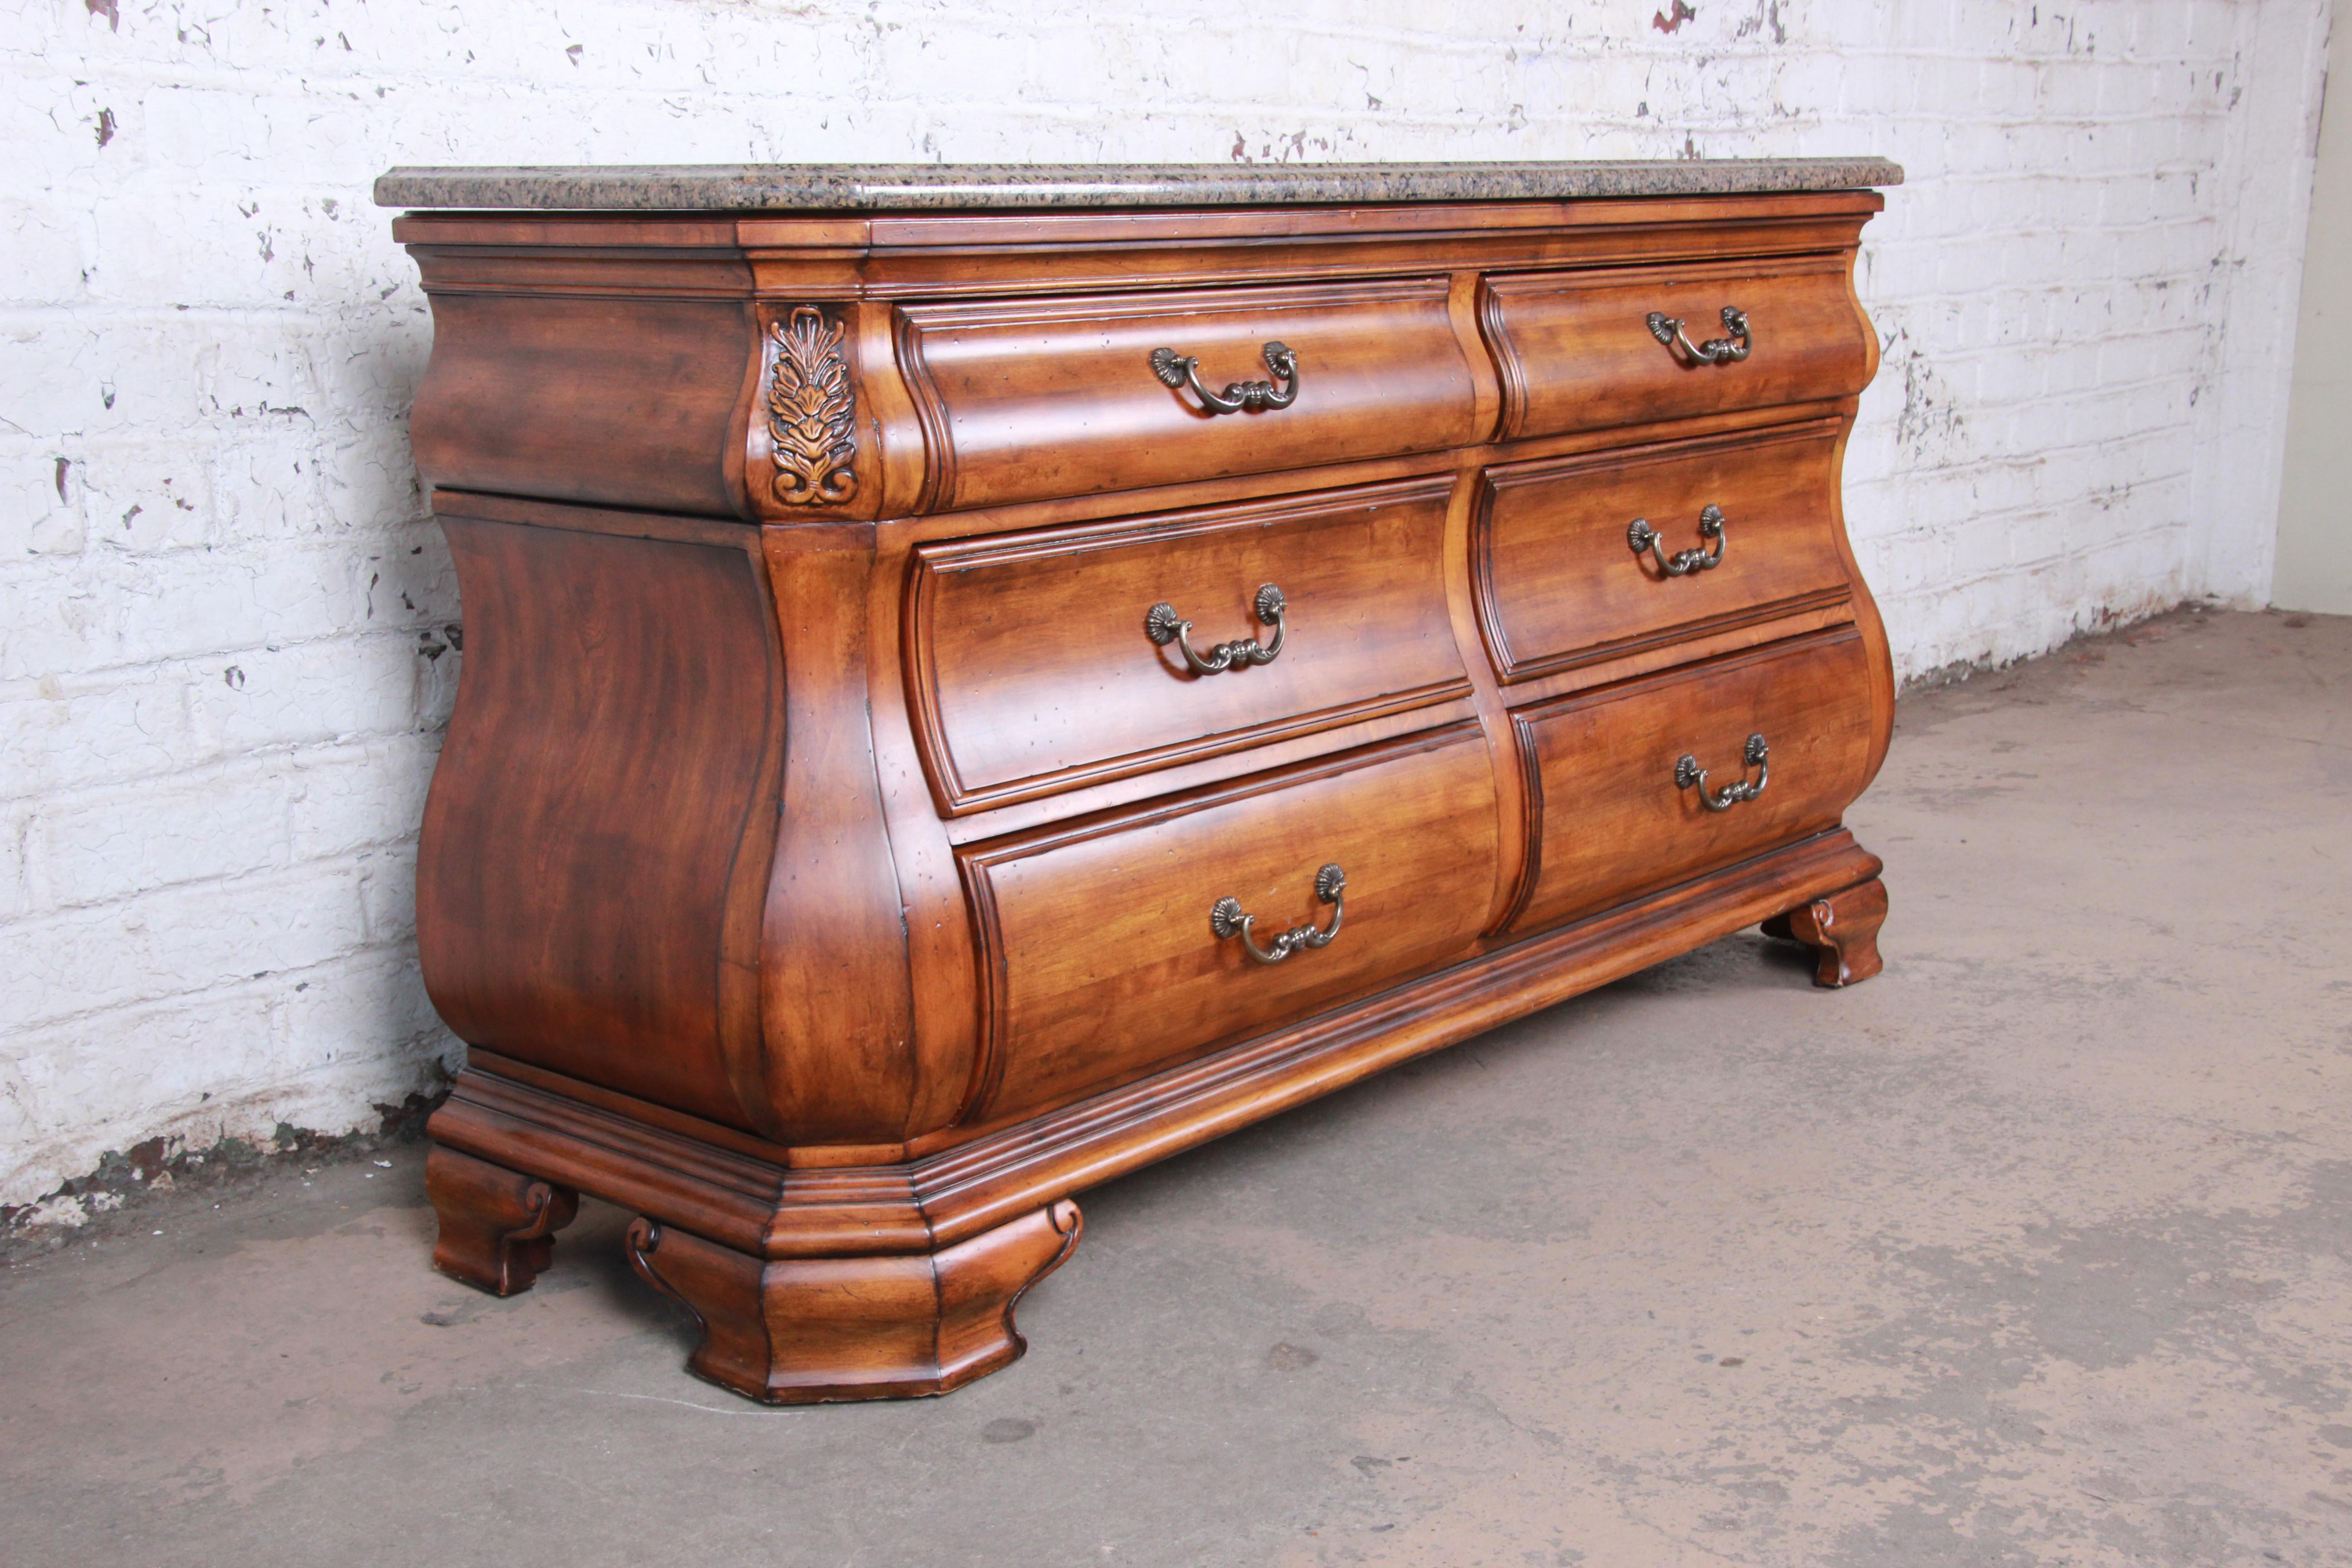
[(811, 412)]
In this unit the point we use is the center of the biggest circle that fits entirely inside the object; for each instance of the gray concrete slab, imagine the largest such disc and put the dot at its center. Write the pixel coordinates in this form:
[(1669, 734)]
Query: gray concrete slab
[(2036, 1250)]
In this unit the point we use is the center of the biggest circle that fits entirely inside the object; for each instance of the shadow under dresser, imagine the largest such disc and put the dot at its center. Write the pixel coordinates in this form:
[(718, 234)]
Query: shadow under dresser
[(977, 680)]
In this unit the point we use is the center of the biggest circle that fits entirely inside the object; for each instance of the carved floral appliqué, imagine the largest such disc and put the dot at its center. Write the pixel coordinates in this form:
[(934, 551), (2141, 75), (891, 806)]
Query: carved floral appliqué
[(811, 412)]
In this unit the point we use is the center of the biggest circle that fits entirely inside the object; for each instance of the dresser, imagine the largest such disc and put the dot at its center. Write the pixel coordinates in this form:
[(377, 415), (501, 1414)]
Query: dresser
[(976, 678)]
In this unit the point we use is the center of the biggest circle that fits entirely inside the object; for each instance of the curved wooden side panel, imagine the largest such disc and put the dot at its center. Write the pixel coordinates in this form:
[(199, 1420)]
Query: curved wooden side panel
[(890, 418), (1576, 353), (1866, 620), (1493, 715), (608, 780), (835, 994), (625, 401), (1865, 609), (939, 950), (1465, 303)]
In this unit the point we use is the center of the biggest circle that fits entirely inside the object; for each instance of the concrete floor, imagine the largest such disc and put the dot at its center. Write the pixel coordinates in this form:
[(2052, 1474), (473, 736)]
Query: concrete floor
[(2037, 1249)]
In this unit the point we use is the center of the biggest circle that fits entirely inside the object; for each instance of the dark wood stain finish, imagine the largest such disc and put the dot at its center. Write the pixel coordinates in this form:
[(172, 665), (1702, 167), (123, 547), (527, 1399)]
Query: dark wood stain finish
[(599, 400), (822, 858), (605, 766)]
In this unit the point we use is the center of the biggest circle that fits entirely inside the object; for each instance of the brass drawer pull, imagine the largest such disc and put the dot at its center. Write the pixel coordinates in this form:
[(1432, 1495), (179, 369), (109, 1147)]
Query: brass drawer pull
[(1162, 625), (1642, 536), (1668, 329), (1177, 370), (1689, 774), (1226, 919)]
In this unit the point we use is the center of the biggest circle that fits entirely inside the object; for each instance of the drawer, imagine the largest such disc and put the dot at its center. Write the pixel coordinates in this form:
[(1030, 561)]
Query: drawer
[(1100, 957), (1558, 583), (1033, 665), (1023, 400), (1577, 352), (1607, 818)]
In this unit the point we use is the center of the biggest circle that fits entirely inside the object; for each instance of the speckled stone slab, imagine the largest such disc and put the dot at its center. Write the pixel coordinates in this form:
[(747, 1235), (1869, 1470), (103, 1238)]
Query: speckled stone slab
[(900, 188)]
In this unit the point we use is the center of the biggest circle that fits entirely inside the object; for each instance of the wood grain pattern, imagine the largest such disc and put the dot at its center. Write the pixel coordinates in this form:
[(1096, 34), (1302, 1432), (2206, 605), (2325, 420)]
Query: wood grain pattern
[(1025, 399), (617, 361), (1559, 586), (609, 760), (962, 1182), (1493, 717), (497, 1226), (1030, 672), (1575, 352), (835, 998), (1206, 769), (1183, 496), (1097, 959), (810, 1330), (823, 855), (1880, 657), (940, 954), (601, 401), (1841, 928), (1606, 817), (950, 256), (972, 1184)]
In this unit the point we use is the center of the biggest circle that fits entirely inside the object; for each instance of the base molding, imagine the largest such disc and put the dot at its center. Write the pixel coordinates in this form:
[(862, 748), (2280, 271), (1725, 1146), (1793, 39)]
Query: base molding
[(815, 1282), (805, 1331)]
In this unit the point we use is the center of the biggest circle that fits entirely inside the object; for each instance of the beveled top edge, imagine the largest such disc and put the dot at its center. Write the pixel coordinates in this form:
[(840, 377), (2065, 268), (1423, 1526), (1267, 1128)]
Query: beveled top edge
[(898, 187)]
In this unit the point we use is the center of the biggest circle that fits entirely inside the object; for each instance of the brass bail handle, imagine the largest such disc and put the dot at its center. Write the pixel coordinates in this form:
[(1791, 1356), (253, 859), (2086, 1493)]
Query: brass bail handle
[(1183, 370), (1682, 563), (1668, 329), (1227, 918), (1164, 626), (1689, 774)]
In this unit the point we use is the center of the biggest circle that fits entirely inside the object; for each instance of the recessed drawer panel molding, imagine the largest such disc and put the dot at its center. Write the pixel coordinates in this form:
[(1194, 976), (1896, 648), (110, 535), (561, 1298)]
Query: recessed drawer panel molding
[(1029, 398), (1614, 809), (1107, 949), (1582, 559), (1579, 350), (1044, 662)]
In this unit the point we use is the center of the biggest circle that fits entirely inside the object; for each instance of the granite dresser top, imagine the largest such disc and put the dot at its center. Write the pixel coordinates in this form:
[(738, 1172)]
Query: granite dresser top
[(904, 187)]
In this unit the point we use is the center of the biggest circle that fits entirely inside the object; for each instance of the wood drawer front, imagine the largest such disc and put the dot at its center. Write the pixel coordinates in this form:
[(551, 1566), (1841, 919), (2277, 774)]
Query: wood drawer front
[(1097, 959), (1023, 400), (1031, 671), (1606, 821), (1575, 352), (1558, 584)]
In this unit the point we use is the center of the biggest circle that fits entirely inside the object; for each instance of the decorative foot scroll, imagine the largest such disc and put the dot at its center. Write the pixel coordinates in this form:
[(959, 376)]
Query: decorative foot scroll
[(497, 1226), (798, 1331), (1842, 930)]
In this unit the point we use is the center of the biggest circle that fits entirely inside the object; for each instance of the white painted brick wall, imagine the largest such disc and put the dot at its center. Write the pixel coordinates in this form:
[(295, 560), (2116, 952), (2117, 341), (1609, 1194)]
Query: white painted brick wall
[(218, 593)]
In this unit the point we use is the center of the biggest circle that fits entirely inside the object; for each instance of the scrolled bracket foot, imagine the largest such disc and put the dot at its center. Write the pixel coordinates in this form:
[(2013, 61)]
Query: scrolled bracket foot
[(800, 1331), (1842, 930), (497, 1226)]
